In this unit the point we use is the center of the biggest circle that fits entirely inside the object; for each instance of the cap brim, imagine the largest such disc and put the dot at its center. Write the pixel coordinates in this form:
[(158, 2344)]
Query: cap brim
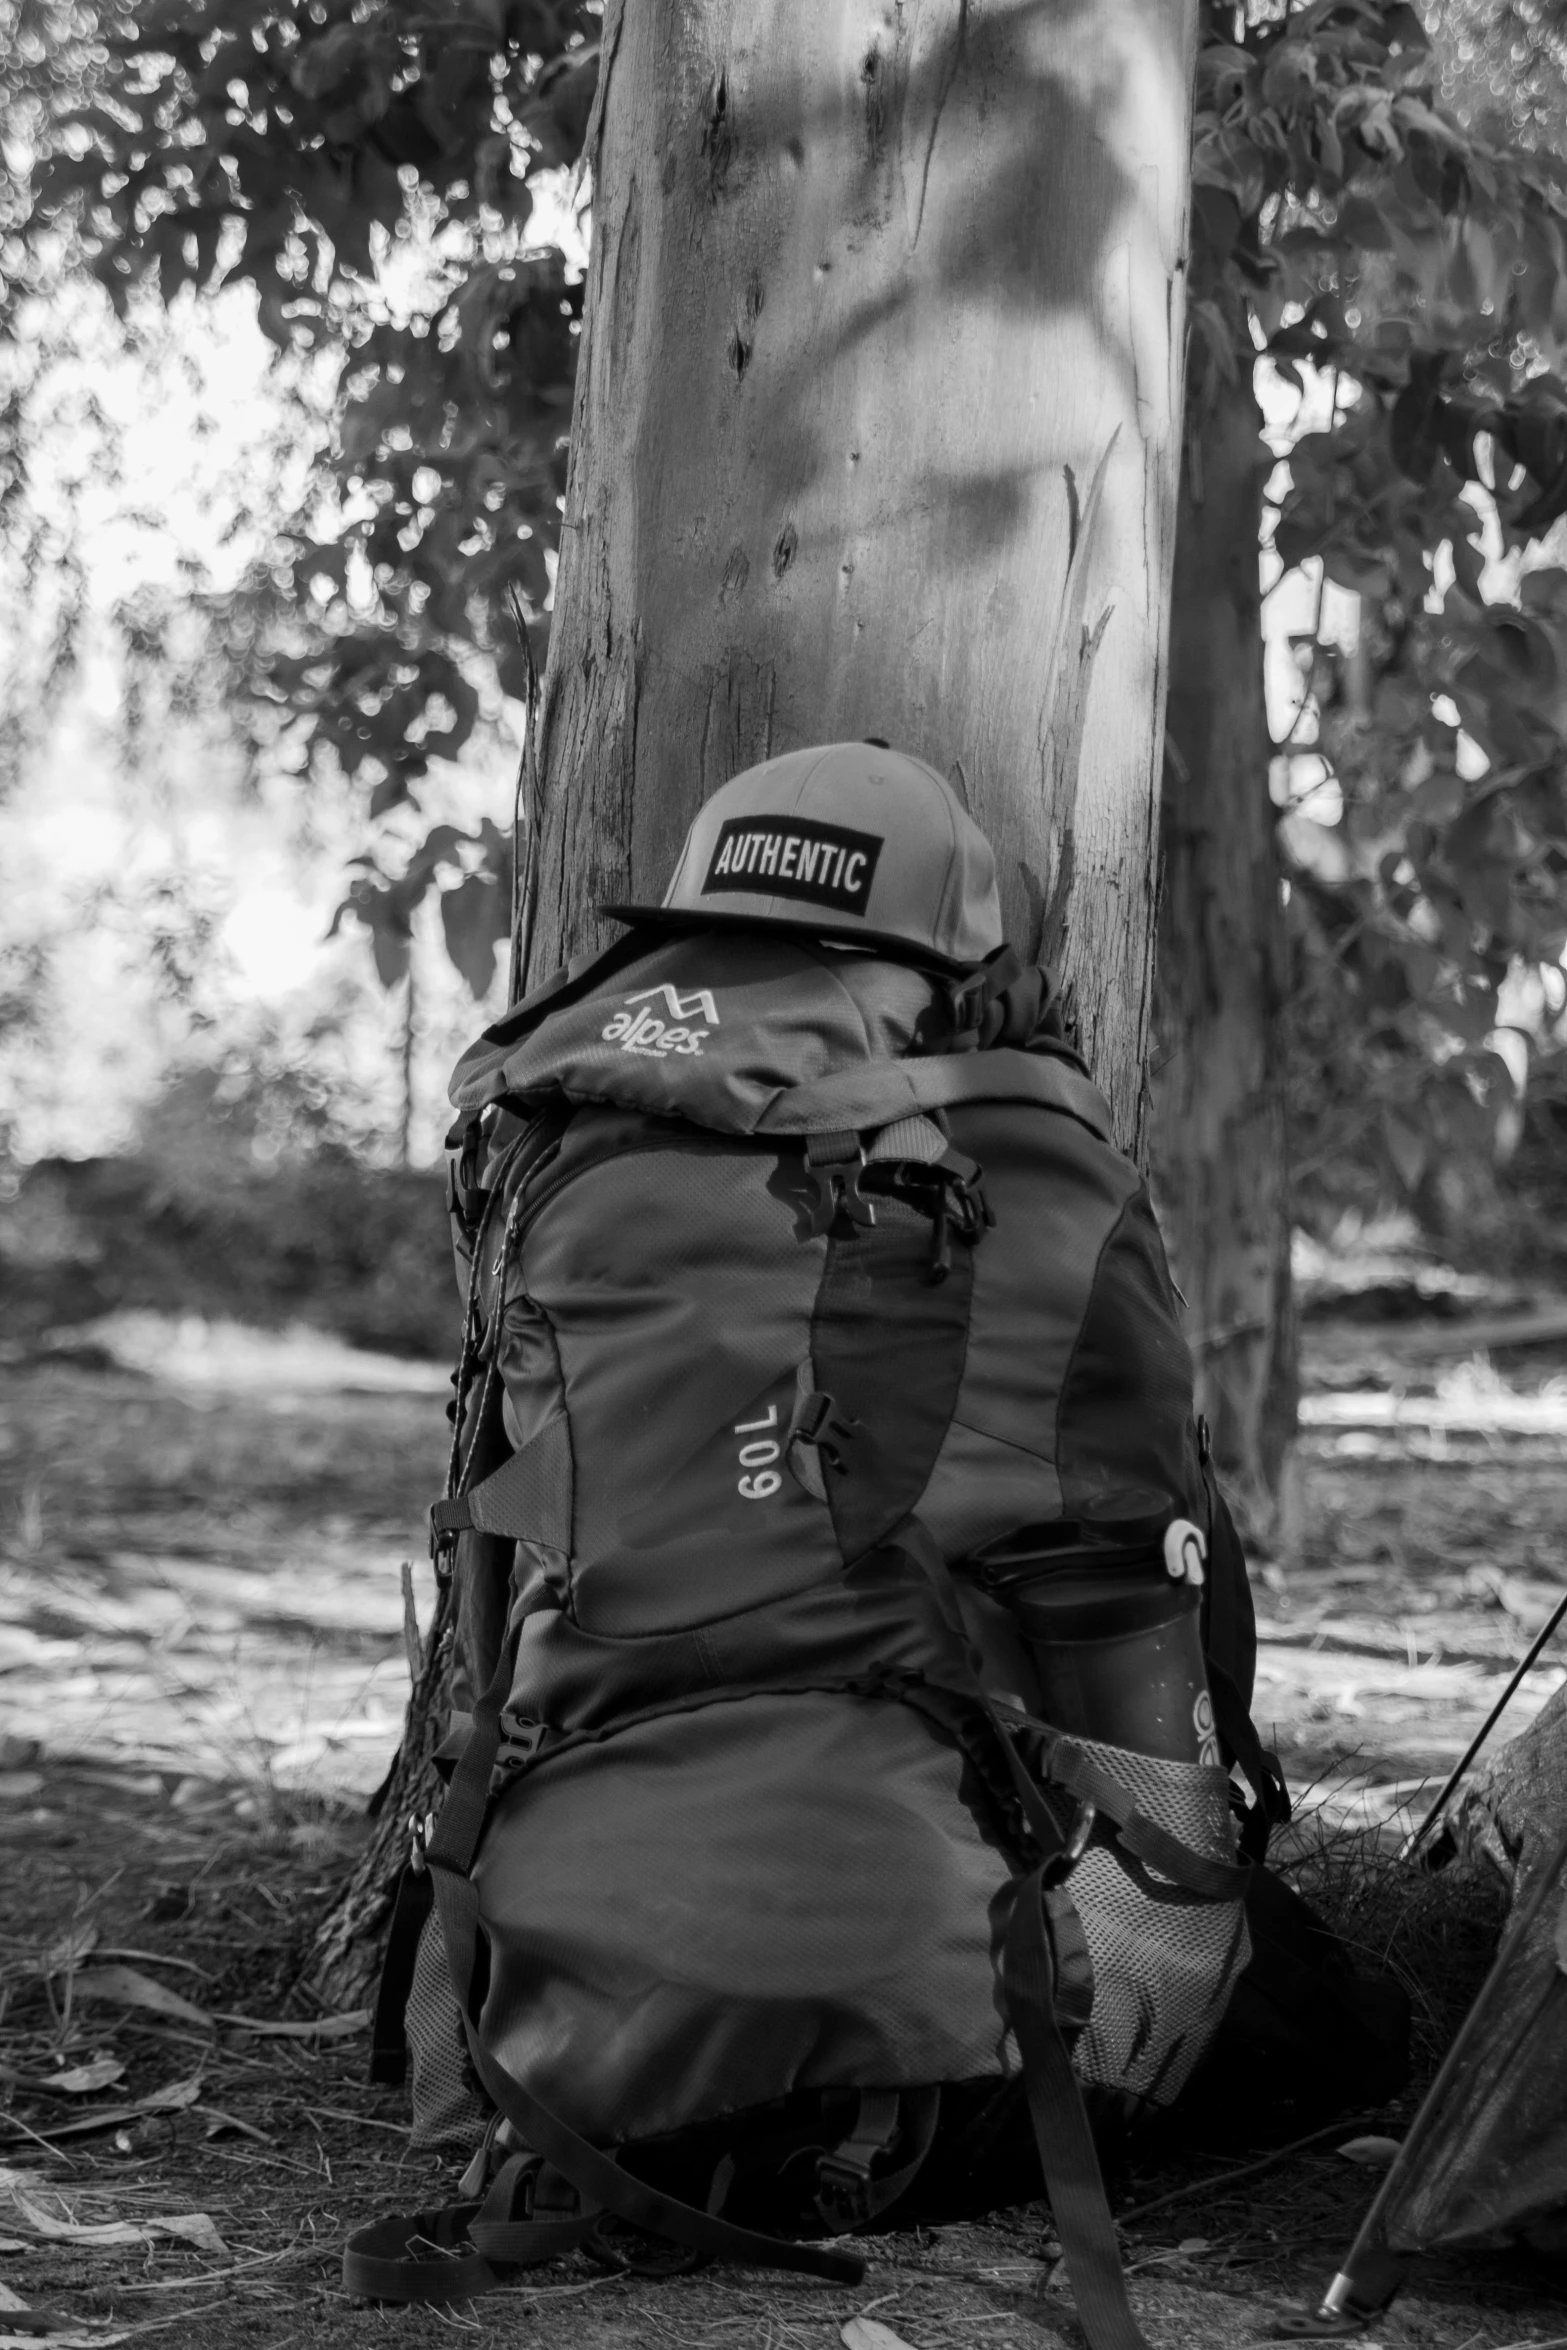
[(906, 950)]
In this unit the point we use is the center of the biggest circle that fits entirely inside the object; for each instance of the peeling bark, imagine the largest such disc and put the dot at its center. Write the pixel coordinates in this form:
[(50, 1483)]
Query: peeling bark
[(1220, 1144)]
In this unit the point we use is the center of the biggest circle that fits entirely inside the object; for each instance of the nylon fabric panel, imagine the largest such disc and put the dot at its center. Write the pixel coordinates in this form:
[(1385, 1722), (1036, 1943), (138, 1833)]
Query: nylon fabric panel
[(878, 1622), (888, 1345), (1123, 1445), (713, 1909), (529, 1363), (1056, 1192), (712, 1026), (679, 1297), (982, 1489), (1229, 1617)]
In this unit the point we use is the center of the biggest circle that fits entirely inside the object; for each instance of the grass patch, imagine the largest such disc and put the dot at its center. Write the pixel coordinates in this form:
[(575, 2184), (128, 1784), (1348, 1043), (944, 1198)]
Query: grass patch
[(1434, 1932)]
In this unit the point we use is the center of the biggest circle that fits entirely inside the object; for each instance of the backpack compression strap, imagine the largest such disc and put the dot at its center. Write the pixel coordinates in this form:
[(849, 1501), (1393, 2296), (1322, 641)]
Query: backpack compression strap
[(873, 1094), (454, 2254), (1074, 2183), (1034, 1978)]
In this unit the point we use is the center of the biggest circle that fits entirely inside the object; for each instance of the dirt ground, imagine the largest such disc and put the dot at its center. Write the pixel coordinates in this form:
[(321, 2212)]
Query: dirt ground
[(201, 1675)]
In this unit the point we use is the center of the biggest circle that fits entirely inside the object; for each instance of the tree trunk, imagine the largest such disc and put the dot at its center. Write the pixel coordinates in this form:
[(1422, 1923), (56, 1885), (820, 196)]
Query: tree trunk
[(876, 291), (1219, 1143), (877, 432)]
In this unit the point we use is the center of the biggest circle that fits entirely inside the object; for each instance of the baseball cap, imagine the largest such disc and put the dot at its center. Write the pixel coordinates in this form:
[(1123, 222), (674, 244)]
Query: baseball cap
[(846, 841)]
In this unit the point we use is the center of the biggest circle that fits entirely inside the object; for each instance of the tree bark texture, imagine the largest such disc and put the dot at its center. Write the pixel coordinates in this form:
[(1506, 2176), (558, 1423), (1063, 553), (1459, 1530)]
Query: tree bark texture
[(877, 433), (344, 1955), (1219, 1138)]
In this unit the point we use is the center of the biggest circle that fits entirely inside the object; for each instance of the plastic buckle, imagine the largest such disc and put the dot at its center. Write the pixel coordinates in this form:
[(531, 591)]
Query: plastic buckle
[(967, 1002), (419, 1833), (443, 1550), (520, 1740), (476, 2177), (836, 1191), (842, 2192), (1061, 1864), (816, 1422)]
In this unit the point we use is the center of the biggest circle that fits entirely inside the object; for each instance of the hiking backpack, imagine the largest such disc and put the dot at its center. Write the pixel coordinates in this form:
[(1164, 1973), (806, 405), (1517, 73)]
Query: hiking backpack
[(805, 1293)]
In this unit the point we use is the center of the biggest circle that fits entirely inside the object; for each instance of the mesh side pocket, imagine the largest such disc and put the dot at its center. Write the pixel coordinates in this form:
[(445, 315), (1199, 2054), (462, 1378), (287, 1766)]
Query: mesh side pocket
[(450, 2108), (1164, 1962)]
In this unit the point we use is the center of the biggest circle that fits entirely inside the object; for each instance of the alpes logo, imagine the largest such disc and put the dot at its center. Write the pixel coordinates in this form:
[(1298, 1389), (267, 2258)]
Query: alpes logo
[(638, 1029)]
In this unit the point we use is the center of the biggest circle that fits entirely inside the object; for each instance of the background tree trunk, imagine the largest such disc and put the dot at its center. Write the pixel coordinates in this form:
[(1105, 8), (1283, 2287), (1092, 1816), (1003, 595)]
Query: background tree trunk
[(877, 431), (1219, 1141), (875, 293)]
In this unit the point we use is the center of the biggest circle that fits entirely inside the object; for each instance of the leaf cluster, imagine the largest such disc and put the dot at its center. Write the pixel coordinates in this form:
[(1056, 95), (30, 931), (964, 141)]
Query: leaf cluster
[(370, 172), (1346, 217), (476, 908)]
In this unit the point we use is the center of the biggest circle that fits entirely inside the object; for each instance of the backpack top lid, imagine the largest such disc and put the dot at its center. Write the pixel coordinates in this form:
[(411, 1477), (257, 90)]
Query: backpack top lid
[(848, 841)]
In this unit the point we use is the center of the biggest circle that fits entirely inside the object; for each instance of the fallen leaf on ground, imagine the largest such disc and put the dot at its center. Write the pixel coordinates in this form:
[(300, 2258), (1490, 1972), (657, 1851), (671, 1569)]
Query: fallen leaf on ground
[(194, 2227), (63, 2333), (218, 2121), (61, 2226), (74, 2231), (1373, 2153), (868, 2333), (191, 2227), (174, 2099), (62, 1957), (326, 2027), (186, 1966), (126, 1986), (106, 2117), (81, 2079)]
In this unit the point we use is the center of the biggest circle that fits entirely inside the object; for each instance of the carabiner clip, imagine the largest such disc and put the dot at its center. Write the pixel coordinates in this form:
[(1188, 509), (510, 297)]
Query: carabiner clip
[(1061, 1864)]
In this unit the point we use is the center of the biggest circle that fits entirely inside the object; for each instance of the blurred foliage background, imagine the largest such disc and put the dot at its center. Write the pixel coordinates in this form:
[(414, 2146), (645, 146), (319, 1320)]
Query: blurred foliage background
[(290, 295)]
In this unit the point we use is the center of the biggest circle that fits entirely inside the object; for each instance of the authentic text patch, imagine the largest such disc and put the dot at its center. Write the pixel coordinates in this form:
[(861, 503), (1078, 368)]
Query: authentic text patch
[(792, 857)]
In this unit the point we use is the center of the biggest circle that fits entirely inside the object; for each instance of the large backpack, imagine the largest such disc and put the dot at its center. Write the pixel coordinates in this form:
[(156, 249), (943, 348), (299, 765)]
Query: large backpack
[(802, 1287)]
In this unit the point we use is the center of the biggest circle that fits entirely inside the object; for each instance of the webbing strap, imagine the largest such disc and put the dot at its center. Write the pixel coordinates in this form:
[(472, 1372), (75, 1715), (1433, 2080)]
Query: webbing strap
[(1042, 1988), (423, 2256), (875, 1093), (1261, 1770), (846, 2194), (1067, 2154), (527, 1499), (596, 2175), (388, 2038), (1065, 1764), (524, 2242)]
